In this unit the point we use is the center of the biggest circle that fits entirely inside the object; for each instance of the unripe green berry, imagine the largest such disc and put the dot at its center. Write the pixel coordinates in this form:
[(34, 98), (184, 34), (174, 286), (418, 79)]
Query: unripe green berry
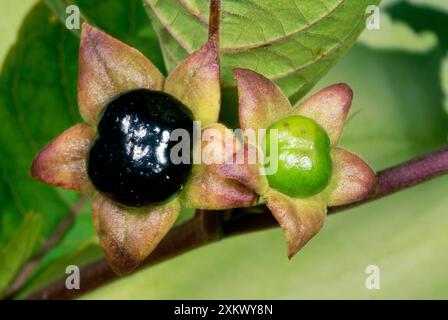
[(302, 157)]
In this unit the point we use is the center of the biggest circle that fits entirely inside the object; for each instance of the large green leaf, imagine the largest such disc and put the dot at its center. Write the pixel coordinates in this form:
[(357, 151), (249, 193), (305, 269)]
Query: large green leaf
[(397, 113), (19, 249), (293, 42)]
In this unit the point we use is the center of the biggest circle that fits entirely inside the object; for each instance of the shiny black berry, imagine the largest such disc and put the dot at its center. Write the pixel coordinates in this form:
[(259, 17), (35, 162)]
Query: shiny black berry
[(129, 160)]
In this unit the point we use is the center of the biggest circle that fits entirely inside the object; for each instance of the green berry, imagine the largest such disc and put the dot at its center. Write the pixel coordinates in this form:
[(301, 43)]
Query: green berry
[(302, 157)]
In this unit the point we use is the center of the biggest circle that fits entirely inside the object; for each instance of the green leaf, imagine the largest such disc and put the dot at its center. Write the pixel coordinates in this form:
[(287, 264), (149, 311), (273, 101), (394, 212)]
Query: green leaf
[(19, 249), (293, 42), (397, 113)]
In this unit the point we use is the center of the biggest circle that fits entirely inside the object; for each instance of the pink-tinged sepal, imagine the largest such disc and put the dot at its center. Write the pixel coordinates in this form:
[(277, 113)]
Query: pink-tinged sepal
[(261, 102), (129, 235), (328, 107), (245, 168), (300, 219), (353, 179), (207, 190), (196, 82), (108, 67), (62, 163)]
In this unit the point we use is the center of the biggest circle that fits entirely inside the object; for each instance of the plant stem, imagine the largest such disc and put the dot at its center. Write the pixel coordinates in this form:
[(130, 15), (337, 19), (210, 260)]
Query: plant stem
[(207, 227), (214, 22)]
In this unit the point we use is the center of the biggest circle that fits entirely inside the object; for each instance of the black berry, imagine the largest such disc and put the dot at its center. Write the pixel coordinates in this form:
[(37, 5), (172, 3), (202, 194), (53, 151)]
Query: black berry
[(129, 160)]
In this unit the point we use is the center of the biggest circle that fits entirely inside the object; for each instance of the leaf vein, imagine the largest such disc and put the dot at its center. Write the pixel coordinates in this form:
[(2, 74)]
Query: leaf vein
[(333, 49), (191, 10), (233, 50), (169, 28)]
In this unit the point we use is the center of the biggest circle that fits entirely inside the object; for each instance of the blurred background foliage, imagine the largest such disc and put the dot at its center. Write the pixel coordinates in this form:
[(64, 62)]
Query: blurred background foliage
[(399, 75)]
